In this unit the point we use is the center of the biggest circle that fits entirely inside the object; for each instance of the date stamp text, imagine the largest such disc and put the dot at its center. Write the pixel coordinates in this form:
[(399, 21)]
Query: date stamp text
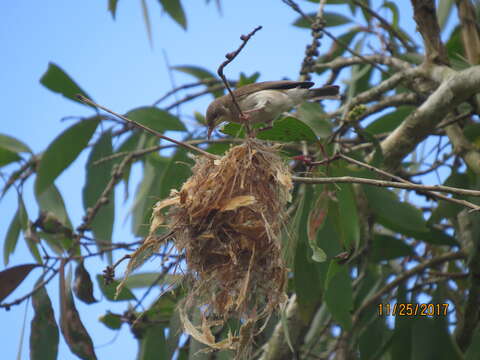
[(412, 309)]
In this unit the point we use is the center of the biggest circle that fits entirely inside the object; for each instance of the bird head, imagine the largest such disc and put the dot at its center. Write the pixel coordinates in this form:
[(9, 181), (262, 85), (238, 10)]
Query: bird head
[(216, 114)]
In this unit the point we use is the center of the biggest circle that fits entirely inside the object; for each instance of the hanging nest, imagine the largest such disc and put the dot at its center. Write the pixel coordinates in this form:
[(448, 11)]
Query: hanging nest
[(227, 219)]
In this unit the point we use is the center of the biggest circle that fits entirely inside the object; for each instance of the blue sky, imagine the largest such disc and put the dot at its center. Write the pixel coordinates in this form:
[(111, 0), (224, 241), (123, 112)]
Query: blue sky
[(115, 64)]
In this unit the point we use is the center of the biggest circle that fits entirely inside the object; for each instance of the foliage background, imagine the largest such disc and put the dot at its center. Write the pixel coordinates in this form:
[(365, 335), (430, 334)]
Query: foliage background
[(114, 63)]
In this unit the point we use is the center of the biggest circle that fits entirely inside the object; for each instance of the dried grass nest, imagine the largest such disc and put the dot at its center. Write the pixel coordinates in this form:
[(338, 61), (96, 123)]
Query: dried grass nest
[(227, 219)]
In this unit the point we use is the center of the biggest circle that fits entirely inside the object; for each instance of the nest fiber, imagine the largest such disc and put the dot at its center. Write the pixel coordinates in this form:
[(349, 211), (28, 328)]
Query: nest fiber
[(227, 219)]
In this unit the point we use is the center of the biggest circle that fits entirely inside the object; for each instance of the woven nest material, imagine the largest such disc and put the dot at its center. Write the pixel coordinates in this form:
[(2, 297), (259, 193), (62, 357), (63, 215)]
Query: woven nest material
[(227, 219)]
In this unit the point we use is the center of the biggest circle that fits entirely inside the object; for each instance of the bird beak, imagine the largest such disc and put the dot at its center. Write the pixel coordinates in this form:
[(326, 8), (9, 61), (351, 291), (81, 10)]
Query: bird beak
[(209, 133)]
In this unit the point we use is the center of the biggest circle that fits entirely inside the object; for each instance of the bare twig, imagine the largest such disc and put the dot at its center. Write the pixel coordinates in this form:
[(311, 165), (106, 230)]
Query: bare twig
[(398, 178), (142, 152), (382, 183), (208, 82), (386, 25), (230, 57), (147, 129), (297, 8), (194, 96), (425, 16)]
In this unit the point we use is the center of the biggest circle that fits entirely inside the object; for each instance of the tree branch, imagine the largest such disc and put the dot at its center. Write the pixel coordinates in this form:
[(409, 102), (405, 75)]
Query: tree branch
[(455, 89), (426, 19)]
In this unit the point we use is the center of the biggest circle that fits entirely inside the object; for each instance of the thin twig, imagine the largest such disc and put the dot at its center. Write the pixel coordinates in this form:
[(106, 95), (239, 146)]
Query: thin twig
[(398, 178), (386, 25), (142, 152), (147, 129), (382, 183), (194, 96), (18, 301), (207, 81), (230, 56), (297, 8)]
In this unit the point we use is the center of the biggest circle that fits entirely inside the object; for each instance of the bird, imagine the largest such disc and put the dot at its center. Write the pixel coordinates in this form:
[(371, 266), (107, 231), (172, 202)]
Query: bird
[(264, 101)]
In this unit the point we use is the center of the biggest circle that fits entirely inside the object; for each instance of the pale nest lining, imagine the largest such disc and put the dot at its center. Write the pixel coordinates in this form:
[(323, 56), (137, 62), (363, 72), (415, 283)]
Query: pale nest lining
[(227, 219)]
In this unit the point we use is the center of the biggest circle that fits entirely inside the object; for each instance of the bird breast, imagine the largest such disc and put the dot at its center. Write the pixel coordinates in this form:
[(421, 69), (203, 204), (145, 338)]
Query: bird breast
[(268, 104)]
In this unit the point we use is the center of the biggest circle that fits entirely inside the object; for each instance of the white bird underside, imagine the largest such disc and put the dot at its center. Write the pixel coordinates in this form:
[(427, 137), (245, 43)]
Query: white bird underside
[(266, 105)]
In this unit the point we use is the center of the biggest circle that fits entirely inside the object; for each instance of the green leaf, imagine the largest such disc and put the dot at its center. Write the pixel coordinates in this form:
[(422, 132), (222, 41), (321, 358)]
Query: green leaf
[(174, 333), (432, 340), (245, 80), (12, 277), (386, 247), (331, 19), (347, 221), (361, 75), (152, 345), (73, 330), (176, 173), (44, 334), (402, 340), (472, 133), (444, 9), (308, 286), (196, 71), (390, 121), (112, 7), (55, 221), (403, 217), (285, 129), (98, 177), (63, 151), (366, 14), (372, 338), (148, 193), (146, 20), (51, 201), (83, 286), (378, 157), (163, 308), (25, 224), (313, 115), (218, 148), (395, 12), (22, 214), (393, 213), (339, 294), (338, 49), (57, 80), (11, 239), (316, 220), (7, 157), (473, 351), (175, 10), (111, 320), (12, 144), (147, 279), (446, 209), (456, 49), (109, 290), (156, 119), (288, 129)]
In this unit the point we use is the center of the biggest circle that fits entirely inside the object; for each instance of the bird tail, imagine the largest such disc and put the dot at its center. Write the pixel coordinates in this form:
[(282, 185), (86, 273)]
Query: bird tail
[(326, 92)]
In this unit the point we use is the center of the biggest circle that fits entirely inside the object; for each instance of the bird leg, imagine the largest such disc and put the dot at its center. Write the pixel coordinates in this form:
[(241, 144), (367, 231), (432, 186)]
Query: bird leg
[(268, 127), (245, 119)]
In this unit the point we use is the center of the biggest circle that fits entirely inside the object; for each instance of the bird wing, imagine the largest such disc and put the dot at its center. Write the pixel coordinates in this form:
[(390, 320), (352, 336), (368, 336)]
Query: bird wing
[(271, 85)]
